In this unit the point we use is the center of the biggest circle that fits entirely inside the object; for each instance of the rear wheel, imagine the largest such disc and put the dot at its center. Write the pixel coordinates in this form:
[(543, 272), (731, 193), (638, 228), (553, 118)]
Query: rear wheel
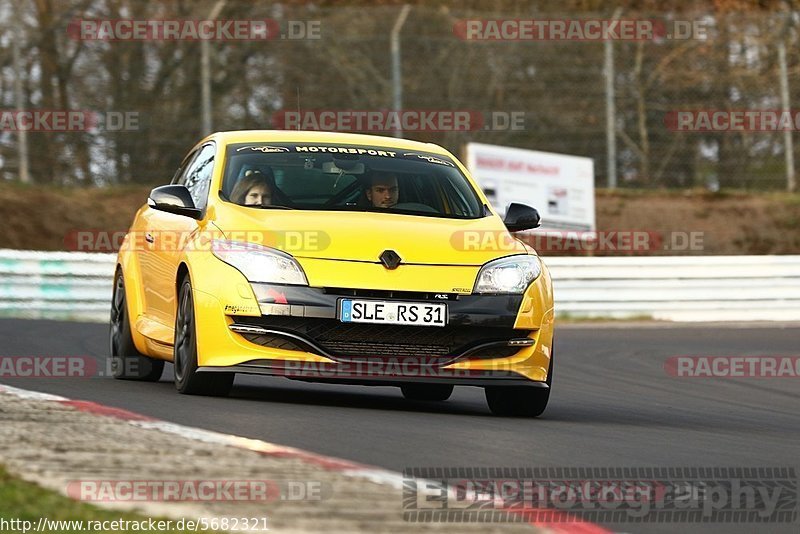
[(524, 401), (427, 392), (127, 363), (187, 378)]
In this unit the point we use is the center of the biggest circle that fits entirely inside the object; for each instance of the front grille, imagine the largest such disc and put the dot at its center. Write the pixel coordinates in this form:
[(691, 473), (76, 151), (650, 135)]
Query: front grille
[(390, 294), (354, 341), (382, 349)]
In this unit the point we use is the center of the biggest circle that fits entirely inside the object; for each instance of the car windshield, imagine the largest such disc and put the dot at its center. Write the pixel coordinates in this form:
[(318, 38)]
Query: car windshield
[(351, 177)]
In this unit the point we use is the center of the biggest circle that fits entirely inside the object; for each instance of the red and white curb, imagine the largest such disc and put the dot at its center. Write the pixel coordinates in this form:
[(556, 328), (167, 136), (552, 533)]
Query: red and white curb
[(561, 522)]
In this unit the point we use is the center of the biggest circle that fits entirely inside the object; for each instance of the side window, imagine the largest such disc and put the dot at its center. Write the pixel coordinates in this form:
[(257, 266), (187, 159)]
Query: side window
[(456, 197), (197, 177), (422, 189), (180, 174)]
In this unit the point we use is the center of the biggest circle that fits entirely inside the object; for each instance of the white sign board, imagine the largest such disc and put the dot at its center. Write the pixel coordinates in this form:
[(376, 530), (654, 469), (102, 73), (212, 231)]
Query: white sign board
[(561, 187)]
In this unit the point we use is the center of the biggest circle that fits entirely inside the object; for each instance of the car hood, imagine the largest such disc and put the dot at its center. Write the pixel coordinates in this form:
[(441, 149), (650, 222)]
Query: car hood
[(364, 236)]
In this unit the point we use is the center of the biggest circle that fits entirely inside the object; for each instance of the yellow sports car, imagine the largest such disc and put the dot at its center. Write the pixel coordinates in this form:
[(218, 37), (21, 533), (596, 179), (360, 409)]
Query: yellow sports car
[(333, 257)]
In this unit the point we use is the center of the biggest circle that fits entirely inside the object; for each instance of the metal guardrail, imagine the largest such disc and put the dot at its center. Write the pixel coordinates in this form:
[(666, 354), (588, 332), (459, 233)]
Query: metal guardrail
[(55, 285), (679, 288), (75, 285)]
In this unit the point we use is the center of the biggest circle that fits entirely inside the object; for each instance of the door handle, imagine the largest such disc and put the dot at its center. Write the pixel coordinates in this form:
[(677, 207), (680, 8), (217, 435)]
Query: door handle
[(149, 238)]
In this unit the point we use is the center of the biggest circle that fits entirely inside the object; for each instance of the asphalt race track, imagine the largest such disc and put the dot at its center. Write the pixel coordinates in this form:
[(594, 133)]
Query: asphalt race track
[(613, 405)]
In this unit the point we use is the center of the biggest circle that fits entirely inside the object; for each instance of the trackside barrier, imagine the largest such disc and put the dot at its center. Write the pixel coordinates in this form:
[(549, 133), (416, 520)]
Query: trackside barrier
[(77, 285), (678, 288), (56, 285)]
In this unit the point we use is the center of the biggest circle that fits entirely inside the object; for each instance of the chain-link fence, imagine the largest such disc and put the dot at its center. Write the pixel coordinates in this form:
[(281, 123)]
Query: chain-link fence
[(145, 97)]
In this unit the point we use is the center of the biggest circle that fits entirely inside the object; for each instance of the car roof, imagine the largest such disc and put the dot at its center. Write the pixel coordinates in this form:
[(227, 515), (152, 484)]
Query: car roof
[(301, 136)]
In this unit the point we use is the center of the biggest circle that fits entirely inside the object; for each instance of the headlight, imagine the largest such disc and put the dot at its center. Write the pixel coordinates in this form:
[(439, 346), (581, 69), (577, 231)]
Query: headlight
[(260, 264), (508, 275)]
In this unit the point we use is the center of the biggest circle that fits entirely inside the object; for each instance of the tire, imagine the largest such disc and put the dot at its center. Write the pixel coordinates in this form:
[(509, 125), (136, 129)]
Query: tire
[(187, 379), (427, 392), (127, 363), (521, 401)]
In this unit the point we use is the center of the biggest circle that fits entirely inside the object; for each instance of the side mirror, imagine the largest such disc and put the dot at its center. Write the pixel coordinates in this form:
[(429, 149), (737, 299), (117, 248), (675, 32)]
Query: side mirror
[(520, 217), (174, 199)]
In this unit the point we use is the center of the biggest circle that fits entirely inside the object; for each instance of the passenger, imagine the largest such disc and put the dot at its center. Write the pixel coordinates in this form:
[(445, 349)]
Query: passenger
[(255, 189)]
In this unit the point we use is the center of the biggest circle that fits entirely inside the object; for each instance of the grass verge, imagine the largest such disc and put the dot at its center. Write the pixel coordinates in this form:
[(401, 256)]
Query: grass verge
[(26, 502)]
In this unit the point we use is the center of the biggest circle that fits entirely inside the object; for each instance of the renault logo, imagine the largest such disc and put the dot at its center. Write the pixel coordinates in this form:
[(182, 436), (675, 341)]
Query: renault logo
[(390, 259)]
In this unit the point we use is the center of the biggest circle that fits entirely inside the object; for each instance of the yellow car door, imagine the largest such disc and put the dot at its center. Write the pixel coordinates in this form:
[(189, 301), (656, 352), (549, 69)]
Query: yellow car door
[(167, 235)]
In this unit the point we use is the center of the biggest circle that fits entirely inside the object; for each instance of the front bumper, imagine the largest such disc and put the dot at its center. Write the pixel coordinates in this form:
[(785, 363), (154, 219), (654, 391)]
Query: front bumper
[(307, 319), (370, 375), (488, 340)]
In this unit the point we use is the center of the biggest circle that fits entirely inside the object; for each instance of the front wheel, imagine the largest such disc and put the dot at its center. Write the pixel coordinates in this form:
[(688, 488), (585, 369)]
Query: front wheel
[(427, 392), (524, 401), (127, 363), (184, 356), (517, 401)]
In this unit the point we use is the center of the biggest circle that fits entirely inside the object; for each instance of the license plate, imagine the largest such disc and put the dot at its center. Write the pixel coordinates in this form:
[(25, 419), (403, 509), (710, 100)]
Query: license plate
[(392, 312)]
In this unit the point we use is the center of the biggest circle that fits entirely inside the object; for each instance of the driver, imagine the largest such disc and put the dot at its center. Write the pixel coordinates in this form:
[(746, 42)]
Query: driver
[(383, 191)]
